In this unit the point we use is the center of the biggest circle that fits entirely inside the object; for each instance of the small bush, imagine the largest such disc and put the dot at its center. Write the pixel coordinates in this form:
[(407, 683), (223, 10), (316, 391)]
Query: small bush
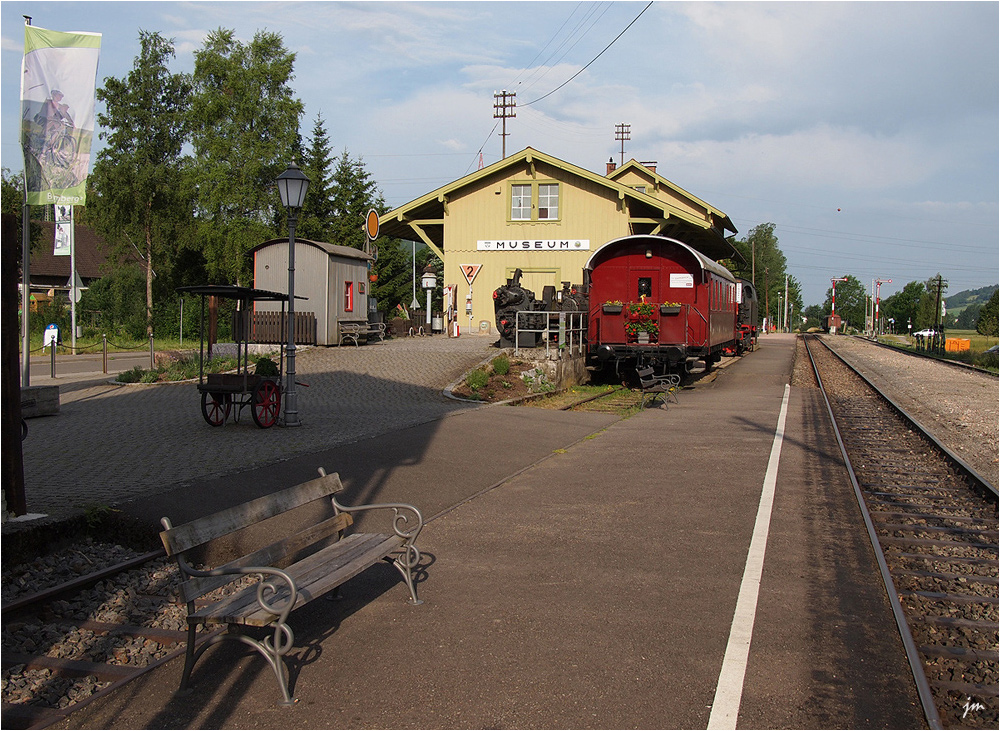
[(266, 367), (477, 379), (501, 365), (130, 376)]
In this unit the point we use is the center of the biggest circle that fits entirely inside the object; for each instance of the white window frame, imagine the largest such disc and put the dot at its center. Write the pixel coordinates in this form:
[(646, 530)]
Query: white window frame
[(553, 192), (520, 204)]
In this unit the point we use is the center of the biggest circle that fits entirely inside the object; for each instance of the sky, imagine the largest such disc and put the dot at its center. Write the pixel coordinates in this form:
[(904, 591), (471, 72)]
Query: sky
[(866, 132)]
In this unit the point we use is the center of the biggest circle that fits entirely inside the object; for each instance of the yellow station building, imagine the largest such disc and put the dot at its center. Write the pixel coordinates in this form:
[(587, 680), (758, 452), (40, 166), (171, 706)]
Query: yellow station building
[(546, 217)]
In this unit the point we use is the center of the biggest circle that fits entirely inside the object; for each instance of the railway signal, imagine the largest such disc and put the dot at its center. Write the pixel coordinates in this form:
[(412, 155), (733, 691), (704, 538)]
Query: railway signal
[(878, 286)]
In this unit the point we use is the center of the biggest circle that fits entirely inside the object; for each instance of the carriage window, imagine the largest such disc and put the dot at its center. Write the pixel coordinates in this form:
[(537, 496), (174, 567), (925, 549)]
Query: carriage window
[(645, 287)]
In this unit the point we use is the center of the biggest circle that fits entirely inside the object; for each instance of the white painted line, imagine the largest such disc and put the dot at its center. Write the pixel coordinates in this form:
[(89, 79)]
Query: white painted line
[(729, 691)]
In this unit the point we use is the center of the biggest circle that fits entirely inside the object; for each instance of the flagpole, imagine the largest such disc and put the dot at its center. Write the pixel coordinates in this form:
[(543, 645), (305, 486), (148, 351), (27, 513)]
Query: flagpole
[(73, 294)]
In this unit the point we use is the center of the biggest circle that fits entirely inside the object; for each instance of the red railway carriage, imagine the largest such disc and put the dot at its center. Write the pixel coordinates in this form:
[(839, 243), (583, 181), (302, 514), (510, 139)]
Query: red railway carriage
[(657, 301)]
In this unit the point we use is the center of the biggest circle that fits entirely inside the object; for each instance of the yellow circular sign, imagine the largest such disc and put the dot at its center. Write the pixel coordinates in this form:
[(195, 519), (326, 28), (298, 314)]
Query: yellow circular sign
[(371, 224)]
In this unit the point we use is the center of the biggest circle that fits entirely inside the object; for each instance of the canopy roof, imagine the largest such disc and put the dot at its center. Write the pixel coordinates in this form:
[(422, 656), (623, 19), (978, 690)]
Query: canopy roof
[(233, 291)]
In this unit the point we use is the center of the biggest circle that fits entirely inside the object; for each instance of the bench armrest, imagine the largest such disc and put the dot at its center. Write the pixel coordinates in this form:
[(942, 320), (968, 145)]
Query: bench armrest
[(267, 588), (403, 514)]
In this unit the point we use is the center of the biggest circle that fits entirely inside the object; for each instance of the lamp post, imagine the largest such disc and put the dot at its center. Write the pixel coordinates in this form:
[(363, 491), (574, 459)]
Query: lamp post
[(292, 186), (428, 281)]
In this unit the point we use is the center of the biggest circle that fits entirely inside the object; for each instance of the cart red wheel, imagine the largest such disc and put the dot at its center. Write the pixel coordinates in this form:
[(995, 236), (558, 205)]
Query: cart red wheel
[(266, 404), (215, 407)]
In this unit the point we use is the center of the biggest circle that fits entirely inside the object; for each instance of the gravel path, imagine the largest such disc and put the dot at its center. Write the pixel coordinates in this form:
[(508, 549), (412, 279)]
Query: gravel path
[(960, 407)]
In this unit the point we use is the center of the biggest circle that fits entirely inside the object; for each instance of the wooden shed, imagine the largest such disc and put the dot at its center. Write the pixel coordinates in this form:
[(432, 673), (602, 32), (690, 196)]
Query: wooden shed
[(332, 279)]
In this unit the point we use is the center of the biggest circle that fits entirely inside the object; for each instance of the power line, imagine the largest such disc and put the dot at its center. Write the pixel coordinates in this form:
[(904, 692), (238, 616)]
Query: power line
[(593, 59)]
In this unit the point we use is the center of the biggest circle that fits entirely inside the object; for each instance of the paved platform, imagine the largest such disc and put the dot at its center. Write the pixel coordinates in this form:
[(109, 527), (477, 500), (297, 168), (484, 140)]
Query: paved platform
[(590, 580)]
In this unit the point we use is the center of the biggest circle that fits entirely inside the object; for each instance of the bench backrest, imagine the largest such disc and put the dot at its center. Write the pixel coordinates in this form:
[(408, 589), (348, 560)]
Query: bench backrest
[(183, 538), (646, 378)]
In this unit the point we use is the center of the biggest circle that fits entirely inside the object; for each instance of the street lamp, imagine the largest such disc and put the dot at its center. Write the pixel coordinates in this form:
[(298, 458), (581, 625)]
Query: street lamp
[(428, 281), (292, 186)]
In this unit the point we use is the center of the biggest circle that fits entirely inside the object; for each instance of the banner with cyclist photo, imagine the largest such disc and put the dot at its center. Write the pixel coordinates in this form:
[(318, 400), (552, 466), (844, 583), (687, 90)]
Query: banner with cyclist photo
[(58, 80)]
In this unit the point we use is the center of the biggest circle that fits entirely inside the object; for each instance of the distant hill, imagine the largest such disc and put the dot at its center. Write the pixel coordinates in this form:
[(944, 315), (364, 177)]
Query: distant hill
[(958, 302)]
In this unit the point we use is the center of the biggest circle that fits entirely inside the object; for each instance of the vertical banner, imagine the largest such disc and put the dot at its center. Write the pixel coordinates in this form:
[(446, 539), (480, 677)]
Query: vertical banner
[(58, 81), (64, 231)]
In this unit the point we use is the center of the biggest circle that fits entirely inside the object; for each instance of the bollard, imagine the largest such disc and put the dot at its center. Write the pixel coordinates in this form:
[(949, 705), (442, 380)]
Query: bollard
[(53, 366), (104, 338), (152, 364)]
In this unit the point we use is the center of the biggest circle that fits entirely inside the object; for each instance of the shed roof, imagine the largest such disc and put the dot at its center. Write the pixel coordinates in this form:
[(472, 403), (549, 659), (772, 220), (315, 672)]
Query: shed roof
[(334, 249)]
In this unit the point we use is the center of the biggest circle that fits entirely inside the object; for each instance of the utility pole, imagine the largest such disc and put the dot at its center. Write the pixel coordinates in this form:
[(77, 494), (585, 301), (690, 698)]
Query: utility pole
[(623, 132), (785, 312), (504, 103)]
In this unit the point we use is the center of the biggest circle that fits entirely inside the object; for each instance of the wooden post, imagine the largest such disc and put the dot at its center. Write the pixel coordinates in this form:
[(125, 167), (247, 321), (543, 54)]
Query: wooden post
[(13, 469)]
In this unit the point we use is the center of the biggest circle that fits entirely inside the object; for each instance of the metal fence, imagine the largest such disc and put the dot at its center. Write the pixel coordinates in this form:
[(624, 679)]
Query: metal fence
[(565, 331)]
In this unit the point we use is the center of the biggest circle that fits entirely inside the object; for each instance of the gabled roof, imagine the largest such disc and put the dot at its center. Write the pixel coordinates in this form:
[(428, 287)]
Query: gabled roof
[(722, 220), (429, 208), (91, 255), (346, 251)]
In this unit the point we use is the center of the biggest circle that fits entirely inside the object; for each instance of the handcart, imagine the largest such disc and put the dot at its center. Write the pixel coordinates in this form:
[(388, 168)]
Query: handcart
[(226, 394)]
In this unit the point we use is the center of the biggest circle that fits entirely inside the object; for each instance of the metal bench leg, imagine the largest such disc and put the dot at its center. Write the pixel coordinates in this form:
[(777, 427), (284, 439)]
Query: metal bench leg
[(405, 563), (189, 660)]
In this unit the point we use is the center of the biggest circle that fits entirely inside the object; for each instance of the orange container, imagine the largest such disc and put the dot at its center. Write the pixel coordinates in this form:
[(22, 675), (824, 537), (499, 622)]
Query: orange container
[(957, 345)]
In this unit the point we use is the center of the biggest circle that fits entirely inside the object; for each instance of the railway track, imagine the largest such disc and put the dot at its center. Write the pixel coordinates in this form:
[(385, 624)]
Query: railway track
[(71, 643), (933, 524)]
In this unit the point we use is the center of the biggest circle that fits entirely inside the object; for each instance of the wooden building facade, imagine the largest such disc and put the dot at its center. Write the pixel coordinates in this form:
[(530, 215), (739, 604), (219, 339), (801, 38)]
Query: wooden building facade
[(546, 217)]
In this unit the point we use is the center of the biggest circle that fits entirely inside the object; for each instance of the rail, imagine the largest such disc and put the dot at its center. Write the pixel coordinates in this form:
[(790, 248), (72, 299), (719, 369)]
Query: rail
[(920, 516), (569, 332)]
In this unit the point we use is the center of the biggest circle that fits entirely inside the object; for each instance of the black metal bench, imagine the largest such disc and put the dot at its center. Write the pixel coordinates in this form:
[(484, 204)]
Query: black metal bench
[(657, 387), (284, 579), (356, 330)]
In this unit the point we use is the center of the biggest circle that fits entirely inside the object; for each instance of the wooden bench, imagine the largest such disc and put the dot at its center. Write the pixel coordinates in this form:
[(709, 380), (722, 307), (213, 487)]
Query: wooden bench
[(357, 330), (658, 387), (285, 580)]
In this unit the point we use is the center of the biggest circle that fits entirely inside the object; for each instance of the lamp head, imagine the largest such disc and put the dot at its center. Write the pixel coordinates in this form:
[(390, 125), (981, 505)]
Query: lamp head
[(292, 186)]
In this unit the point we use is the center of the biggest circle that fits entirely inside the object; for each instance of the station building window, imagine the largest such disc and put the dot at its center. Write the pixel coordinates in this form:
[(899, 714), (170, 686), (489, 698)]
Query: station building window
[(534, 201)]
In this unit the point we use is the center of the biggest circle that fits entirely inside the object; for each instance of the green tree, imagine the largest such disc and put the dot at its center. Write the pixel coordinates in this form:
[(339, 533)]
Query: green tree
[(316, 221), (12, 202), (814, 314), (245, 123), (989, 323), (851, 302), (761, 260), (138, 205), (901, 307)]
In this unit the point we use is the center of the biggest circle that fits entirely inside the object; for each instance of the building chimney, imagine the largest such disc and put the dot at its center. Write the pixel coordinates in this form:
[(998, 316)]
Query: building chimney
[(611, 165), (651, 166)]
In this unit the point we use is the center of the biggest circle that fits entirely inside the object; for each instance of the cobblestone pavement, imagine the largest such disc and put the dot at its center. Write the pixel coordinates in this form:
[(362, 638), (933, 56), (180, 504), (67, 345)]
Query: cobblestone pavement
[(112, 443)]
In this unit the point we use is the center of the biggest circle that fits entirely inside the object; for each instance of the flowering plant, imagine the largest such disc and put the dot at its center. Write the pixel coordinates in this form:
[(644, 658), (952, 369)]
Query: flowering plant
[(641, 317)]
